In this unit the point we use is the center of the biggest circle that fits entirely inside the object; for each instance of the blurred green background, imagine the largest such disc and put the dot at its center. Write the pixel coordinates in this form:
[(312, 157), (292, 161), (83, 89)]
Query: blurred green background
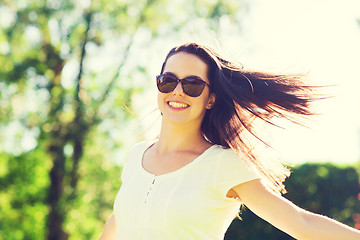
[(71, 73)]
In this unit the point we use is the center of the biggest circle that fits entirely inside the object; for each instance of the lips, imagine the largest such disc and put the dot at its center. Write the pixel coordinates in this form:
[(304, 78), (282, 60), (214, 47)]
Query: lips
[(178, 105)]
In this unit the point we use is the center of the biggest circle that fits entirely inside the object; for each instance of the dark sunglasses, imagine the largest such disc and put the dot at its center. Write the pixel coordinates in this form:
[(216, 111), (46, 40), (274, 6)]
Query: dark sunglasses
[(192, 86)]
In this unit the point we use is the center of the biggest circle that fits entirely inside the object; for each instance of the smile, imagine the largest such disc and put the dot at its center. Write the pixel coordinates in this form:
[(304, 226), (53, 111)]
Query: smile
[(178, 105)]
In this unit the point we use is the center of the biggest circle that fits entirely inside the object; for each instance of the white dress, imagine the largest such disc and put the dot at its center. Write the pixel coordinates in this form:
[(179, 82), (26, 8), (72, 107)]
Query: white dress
[(189, 203)]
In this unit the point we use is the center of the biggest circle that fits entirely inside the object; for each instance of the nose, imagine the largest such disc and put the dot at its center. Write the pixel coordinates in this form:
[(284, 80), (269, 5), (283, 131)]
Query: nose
[(178, 89)]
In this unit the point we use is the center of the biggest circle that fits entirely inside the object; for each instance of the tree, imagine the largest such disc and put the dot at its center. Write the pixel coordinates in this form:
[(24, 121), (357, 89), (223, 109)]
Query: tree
[(57, 33), (321, 188), (62, 105)]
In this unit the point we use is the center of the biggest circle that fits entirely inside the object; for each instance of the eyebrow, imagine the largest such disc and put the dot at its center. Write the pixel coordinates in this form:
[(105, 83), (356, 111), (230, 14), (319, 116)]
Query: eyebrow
[(170, 73), (173, 74)]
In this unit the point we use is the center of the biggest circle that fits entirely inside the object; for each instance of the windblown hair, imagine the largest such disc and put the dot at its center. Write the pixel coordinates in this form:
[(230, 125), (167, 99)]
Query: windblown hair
[(242, 96)]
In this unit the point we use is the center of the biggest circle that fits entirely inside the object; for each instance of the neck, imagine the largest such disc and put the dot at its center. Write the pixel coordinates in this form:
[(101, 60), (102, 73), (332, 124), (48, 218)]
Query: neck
[(177, 137)]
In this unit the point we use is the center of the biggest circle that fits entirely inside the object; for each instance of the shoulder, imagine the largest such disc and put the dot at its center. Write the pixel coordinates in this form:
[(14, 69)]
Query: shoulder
[(231, 165), (227, 160), (133, 158), (136, 152), (139, 148), (227, 156), (231, 170)]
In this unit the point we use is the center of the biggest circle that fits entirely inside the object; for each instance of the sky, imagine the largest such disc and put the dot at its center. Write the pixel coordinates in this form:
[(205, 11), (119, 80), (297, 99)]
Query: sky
[(321, 38), (318, 37)]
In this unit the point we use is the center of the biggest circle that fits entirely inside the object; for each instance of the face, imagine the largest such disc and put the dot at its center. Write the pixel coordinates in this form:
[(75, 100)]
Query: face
[(176, 106)]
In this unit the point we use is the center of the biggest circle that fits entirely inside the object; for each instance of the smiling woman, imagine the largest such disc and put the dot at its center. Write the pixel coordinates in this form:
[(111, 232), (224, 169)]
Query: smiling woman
[(186, 102), (191, 181)]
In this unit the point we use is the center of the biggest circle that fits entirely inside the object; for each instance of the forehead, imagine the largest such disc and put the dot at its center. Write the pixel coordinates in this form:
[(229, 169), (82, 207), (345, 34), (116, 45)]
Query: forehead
[(184, 64)]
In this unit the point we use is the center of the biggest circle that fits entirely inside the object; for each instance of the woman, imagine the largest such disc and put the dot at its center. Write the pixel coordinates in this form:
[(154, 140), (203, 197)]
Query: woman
[(190, 183)]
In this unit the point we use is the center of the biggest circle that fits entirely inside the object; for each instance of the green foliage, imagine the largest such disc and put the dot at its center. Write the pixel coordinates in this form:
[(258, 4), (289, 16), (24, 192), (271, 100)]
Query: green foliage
[(96, 191), (321, 188), (334, 191), (23, 190), (47, 111)]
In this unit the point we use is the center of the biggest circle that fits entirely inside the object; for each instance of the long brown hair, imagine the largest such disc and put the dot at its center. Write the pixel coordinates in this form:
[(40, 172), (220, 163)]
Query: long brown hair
[(242, 96)]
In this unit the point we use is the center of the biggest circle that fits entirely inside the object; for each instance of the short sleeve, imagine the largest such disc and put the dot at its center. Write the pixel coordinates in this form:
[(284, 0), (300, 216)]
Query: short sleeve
[(124, 172), (134, 155), (232, 171)]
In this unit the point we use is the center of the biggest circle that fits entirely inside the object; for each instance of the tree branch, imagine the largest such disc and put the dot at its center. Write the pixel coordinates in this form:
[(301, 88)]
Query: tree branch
[(141, 19), (78, 127)]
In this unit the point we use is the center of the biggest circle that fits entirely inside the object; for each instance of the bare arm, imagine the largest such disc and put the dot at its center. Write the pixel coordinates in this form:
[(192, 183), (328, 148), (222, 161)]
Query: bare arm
[(109, 231), (288, 217)]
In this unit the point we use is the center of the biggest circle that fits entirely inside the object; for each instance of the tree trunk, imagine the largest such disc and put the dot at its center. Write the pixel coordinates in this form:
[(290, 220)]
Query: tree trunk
[(56, 215)]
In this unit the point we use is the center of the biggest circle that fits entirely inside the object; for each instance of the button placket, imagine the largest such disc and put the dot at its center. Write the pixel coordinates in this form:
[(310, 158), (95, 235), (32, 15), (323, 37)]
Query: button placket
[(150, 190), (147, 207), (148, 200)]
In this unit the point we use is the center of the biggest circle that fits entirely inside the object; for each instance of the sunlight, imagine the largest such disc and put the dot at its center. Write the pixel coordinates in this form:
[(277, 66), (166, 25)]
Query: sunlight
[(319, 37)]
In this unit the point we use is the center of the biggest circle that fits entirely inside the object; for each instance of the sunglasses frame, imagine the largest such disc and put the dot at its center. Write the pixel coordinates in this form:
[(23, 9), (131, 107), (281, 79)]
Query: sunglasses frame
[(182, 83)]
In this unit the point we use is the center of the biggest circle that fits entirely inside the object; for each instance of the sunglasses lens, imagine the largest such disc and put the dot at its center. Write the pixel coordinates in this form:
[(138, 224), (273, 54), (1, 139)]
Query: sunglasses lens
[(193, 86), (166, 83)]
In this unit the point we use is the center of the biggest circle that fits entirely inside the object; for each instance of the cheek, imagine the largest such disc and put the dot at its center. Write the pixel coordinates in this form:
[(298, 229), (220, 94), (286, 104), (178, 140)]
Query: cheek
[(200, 105), (160, 100), (205, 100)]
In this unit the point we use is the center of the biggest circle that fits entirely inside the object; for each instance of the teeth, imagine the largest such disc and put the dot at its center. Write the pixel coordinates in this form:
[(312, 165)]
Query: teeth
[(178, 105)]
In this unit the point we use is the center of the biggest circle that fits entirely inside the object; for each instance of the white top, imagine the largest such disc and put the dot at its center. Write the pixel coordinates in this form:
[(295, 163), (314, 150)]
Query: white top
[(189, 203)]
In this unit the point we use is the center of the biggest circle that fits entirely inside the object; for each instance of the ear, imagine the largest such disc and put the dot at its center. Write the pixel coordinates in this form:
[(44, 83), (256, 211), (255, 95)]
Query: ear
[(211, 101)]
